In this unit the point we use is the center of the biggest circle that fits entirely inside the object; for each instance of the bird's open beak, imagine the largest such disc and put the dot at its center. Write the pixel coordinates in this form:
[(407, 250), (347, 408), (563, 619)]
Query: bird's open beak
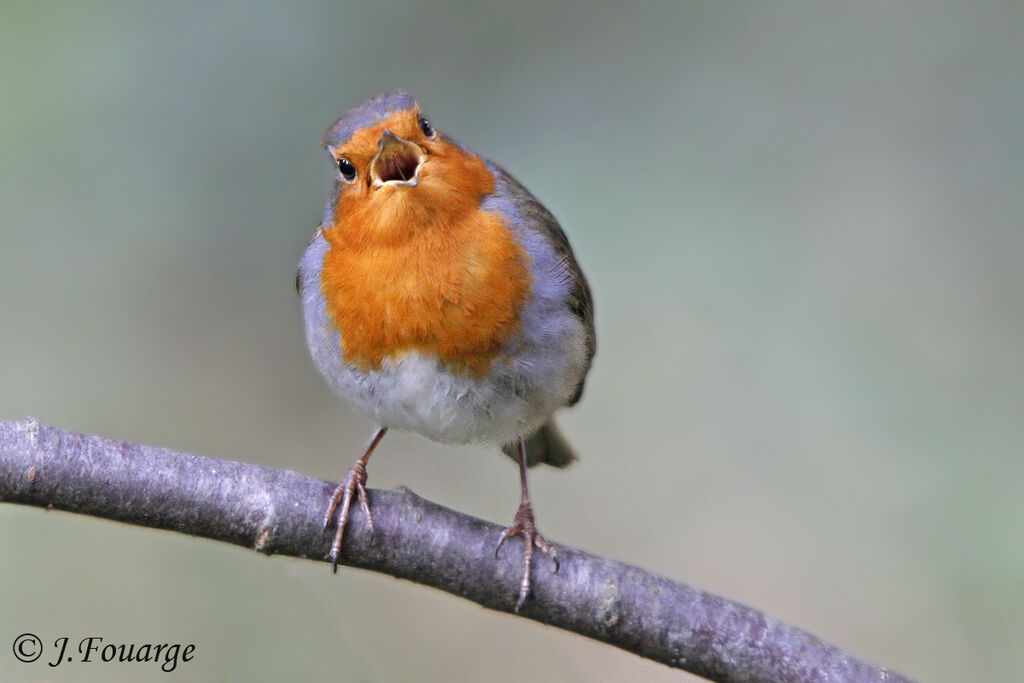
[(397, 162)]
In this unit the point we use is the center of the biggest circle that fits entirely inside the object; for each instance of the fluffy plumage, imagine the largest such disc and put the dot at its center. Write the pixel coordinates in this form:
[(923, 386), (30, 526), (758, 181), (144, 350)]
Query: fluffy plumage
[(453, 308)]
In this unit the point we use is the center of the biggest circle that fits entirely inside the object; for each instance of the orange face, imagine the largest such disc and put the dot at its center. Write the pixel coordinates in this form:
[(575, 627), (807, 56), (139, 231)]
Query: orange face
[(414, 264)]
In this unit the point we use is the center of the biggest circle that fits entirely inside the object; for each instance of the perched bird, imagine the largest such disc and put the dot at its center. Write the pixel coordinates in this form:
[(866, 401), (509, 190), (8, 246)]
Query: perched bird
[(441, 297)]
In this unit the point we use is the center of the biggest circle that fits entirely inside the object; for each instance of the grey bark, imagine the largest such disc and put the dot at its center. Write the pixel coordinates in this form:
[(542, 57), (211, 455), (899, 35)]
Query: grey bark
[(280, 512)]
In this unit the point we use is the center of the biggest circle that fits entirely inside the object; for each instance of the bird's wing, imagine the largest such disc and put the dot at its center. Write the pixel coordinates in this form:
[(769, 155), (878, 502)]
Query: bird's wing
[(538, 219)]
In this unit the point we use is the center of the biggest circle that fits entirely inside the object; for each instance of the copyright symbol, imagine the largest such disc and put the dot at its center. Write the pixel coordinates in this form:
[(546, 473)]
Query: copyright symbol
[(28, 647)]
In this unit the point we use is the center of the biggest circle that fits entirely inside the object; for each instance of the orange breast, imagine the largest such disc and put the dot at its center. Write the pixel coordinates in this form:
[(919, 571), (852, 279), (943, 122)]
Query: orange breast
[(425, 271)]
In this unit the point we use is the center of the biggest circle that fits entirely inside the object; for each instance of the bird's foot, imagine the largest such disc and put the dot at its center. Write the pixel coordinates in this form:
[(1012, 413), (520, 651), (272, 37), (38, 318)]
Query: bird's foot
[(523, 524), (354, 484)]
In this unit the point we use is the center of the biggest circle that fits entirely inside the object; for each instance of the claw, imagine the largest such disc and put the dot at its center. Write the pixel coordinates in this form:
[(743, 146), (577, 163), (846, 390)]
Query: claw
[(523, 524), (341, 499), (505, 535), (364, 503)]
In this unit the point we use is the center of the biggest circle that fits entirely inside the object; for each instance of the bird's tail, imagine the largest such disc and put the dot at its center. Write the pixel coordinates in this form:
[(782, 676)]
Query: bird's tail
[(546, 445)]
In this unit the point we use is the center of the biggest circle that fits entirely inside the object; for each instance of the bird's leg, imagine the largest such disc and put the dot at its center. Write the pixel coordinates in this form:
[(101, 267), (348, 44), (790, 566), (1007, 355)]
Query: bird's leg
[(523, 523), (355, 483)]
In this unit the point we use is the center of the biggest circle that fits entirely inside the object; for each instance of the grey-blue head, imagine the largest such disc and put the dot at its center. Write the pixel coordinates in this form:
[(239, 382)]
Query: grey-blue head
[(369, 112)]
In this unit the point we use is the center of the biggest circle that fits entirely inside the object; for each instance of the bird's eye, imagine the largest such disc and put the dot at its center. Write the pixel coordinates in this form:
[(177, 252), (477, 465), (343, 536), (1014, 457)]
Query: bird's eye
[(348, 171), (425, 126)]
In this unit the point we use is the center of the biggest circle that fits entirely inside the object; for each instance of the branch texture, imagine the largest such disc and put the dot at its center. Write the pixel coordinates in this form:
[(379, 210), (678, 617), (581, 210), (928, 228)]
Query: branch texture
[(275, 511)]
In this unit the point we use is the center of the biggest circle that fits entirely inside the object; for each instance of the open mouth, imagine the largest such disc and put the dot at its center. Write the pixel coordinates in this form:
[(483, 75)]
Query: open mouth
[(397, 162)]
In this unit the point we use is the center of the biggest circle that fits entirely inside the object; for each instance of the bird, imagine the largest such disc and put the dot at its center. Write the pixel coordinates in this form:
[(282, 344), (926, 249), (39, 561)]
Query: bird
[(441, 297)]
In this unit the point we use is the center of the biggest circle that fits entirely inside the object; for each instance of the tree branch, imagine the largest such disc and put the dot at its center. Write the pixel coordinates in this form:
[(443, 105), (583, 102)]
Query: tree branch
[(275, 511)]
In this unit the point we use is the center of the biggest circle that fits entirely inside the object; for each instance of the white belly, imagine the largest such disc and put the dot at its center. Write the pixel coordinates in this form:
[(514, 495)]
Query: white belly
[(416, 393)]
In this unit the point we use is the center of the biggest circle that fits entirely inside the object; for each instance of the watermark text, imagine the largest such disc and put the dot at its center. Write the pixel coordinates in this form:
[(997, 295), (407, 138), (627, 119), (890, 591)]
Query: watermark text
[(29, 648)]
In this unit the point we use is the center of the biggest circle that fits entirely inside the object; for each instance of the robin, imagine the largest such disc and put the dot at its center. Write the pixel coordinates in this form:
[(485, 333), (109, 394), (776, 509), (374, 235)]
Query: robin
[(441, 297)]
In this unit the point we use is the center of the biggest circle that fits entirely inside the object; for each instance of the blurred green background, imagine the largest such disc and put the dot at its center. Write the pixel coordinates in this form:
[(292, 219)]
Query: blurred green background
[(803, 227)]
